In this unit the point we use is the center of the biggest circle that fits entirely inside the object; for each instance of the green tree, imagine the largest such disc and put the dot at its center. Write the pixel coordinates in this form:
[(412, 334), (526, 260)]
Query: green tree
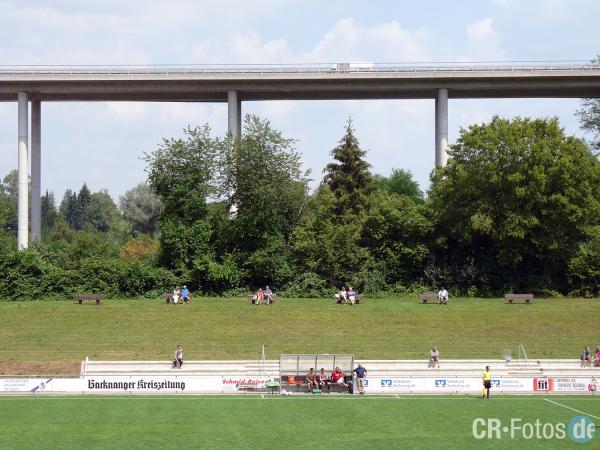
[(397, 232), (48, 211), (584, 268), (589, 116), (141, 208), (8, 202), (263, 179), (349, 177), (70, 209), (400, 182), (100, 211), (181, 173), (513, 203)]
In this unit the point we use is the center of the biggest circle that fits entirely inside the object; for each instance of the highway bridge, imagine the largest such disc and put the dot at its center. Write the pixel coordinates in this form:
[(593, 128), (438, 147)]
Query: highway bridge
[(32, 85)]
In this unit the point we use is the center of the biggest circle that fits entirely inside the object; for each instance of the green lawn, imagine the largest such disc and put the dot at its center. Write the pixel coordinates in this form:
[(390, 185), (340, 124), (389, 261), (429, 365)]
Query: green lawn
[(233, 329), (276, 422)]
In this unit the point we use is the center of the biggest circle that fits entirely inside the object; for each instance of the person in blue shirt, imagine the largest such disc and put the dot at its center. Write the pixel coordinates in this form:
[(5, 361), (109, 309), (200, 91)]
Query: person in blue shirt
[(185, 295), (361, 374)]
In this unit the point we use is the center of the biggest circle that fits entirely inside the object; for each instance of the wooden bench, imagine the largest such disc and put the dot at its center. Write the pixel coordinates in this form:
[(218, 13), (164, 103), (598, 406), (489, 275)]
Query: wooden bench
[(300, 381), (80, 298), (252, 300), (424, 298), (357, 299), (527, 297), (169, 298)]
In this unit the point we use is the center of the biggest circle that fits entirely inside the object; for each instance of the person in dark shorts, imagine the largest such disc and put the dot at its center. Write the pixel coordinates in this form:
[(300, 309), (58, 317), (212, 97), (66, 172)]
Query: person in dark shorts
[(178, 361), (311, 380), (322, 379), (487, 382)]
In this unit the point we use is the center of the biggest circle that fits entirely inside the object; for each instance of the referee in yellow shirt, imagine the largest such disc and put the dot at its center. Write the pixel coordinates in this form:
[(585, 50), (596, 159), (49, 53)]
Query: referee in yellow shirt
[(487, 382)]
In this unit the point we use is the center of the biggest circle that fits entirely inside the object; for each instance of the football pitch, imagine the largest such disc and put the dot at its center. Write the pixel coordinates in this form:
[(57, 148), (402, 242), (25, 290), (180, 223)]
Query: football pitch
[(300, 422)]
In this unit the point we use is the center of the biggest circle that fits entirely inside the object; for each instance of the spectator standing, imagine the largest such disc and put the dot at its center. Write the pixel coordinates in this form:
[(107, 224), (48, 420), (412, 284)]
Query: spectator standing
[(443, 296), (361, 374), (434, 357), (185, 295), (178, 361), (487, 383), (597, 353)]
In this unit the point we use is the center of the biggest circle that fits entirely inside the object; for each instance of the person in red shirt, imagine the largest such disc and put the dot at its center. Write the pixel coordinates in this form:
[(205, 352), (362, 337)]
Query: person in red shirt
[(260, 296), (337, 377)]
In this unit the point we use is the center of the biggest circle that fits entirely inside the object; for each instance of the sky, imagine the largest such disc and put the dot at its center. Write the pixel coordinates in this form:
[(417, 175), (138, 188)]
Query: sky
[(101, 143)]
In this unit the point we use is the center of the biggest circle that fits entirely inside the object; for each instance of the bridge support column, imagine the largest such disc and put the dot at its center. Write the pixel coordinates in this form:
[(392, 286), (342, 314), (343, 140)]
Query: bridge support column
[(36, 176), (234, 113), (23, 177), (441, 128)]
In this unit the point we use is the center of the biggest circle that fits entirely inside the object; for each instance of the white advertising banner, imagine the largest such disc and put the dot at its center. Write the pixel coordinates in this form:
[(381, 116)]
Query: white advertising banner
[(573, 384), (513, 385), (231, 385), (440, 385), (239, 385), (25, 384), (153, 385)]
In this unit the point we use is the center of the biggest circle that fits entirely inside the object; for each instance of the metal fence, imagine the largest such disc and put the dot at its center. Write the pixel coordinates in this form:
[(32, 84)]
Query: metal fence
[(321, 68)]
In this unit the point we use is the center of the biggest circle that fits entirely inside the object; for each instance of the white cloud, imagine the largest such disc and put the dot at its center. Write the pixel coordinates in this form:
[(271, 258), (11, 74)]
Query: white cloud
[(483, 42), (387, 42), (249, 48), (481, 29)]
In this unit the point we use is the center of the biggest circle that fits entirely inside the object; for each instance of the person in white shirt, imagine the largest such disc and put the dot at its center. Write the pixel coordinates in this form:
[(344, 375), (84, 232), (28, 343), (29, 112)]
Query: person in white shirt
[(351, 293), (434, 357), (443, 296)]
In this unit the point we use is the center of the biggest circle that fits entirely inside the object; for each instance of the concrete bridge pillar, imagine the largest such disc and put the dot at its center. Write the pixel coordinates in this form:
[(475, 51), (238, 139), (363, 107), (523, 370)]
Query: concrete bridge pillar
[(36, 194), (234, 114), (441, 128), (23, 171)]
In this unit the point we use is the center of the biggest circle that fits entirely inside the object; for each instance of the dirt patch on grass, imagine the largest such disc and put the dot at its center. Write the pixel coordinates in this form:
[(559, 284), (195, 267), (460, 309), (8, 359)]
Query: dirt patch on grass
[(40, 367)]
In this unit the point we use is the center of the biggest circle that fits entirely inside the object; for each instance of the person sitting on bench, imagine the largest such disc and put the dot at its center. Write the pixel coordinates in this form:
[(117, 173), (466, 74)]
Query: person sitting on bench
[(351, 293), (322, 379), (311, 380), (268, 295), (586, 357), (260, 296), (178, 361), (443, 296), (176, 294), (337, 377), (341, 296), (185, 295), (434, 357)]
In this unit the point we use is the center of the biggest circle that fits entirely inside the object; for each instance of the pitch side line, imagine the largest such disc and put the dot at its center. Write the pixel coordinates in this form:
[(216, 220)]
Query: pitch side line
[(572, 409), (266, 397)]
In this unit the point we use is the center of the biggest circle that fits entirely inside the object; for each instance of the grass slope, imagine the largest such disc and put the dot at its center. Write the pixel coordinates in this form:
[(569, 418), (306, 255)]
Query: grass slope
[(276, 422), (232, 329)]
